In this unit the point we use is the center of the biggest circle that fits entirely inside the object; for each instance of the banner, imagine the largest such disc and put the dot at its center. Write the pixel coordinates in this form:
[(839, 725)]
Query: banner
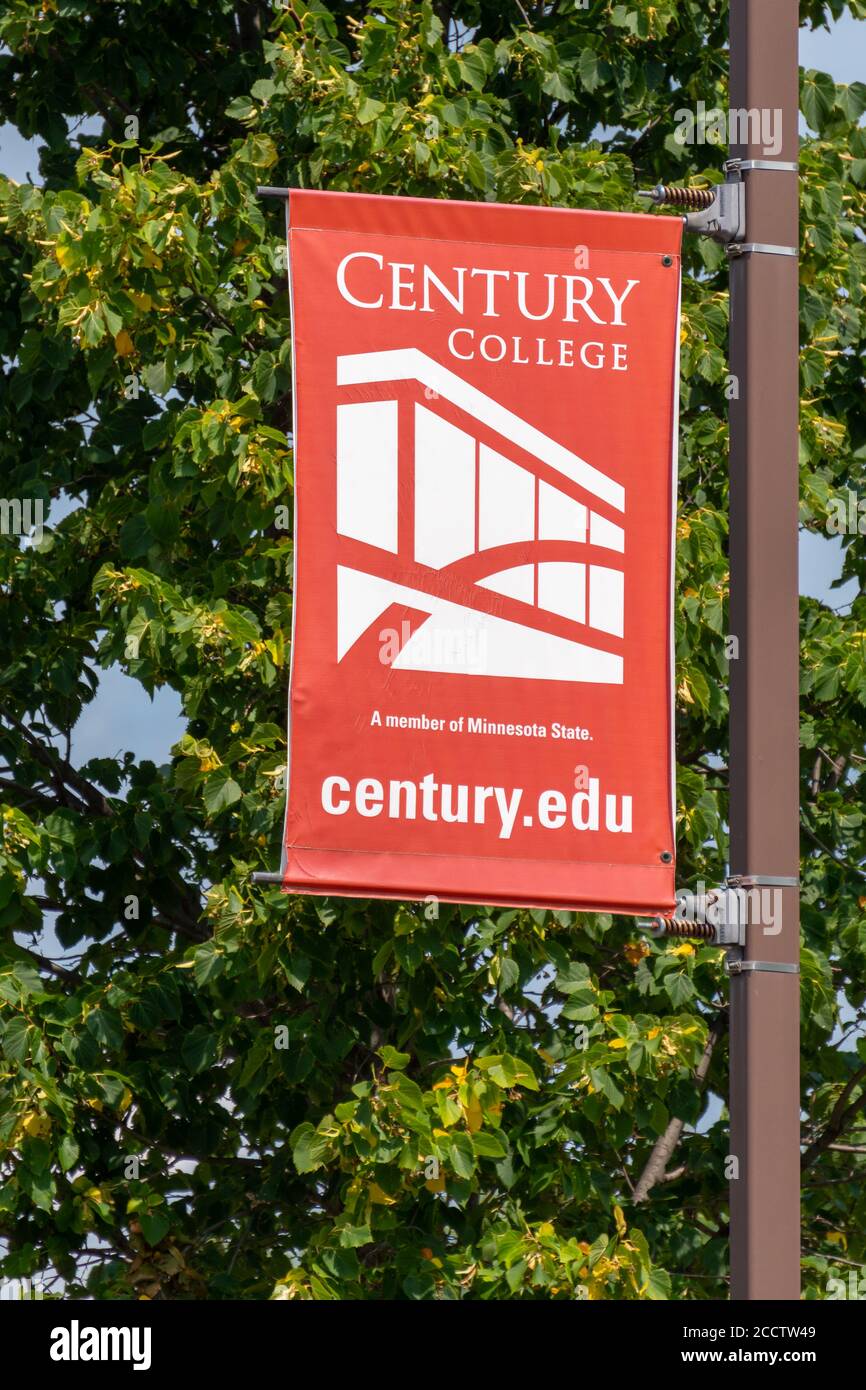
[(485, 434)]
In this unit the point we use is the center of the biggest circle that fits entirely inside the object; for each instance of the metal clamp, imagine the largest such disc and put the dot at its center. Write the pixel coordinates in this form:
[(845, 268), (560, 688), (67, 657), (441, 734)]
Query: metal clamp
[(743, 166), (776, 967), (761, 881), (761, 248)]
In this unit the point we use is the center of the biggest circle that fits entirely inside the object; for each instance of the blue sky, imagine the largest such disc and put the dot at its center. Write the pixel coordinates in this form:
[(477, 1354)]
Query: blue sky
[(123, 717)]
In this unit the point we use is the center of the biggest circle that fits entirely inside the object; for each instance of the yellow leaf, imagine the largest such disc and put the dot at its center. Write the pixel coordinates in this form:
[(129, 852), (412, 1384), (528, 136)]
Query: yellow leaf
[(684, 949), (474, 1115), (378, 1196), (435, 1184), (618, 1042), (36, 1125), (123, 344), (620, 1221), (141, 301)]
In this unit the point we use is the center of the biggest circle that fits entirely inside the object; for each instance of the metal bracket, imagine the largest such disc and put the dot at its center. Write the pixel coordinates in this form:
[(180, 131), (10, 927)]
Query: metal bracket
[(725, 219), (734, 966), (760, 248), (720, 212), (762, 881), (765, 165), (720, 915)]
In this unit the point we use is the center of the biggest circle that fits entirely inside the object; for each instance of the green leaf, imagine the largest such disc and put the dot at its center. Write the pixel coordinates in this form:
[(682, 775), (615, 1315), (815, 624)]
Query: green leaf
[(606, 1086), (393, 1059), (308, 1148), (462, 1155), (352, 1236), (220, 791), (155, 1224), (369, 109), (199, 1049), (489, 1144), (16, 1039), (106, 1027), (587, 69), (68, 1152), (817, 98)]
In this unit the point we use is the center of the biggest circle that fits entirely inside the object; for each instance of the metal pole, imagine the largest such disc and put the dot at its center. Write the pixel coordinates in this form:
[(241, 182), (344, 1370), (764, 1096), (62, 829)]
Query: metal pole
[(764, 742)]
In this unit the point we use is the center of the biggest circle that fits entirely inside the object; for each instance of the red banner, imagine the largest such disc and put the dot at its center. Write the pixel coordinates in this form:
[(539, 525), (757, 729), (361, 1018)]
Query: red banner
[(485, 433)]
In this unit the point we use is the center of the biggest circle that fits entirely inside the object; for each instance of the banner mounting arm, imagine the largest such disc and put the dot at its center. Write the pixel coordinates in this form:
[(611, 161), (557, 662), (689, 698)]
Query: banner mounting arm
[(720, 212)]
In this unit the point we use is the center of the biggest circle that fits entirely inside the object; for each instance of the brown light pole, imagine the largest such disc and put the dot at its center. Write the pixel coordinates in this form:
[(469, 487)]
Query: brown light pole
[(764, 752)]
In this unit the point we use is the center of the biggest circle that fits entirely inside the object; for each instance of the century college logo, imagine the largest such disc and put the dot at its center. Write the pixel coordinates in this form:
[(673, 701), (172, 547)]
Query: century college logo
[(454, 508)]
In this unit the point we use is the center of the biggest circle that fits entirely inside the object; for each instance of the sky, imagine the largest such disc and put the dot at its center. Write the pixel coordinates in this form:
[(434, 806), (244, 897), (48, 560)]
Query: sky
[(122, 716)]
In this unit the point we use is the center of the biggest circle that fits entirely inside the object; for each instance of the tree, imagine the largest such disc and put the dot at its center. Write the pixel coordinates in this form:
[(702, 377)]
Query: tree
[(221, 1091)]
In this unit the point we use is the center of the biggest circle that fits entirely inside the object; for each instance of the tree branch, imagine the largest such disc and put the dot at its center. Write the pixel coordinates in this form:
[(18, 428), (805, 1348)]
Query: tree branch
[(840, 1115), (664, 1146)]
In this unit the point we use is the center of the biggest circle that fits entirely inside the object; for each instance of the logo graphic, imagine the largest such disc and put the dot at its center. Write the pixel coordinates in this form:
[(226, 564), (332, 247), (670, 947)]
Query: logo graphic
[(453, 508)]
